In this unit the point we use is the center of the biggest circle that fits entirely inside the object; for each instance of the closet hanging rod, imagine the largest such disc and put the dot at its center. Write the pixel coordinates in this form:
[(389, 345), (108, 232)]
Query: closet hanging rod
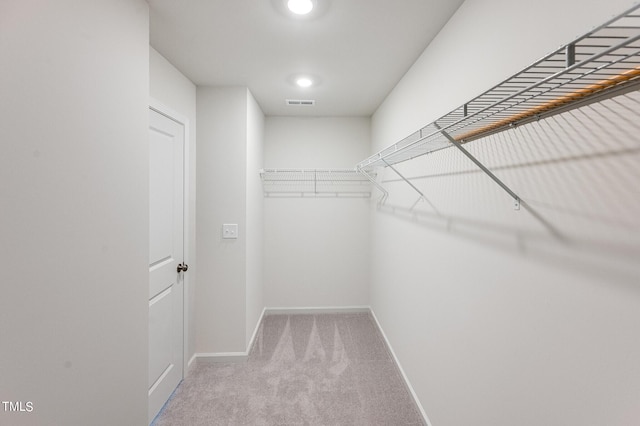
[(550, 78), (555, 103)]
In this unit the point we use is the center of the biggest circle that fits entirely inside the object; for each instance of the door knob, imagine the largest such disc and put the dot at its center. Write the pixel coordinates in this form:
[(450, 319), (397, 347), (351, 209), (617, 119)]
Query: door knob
[(183, 268)]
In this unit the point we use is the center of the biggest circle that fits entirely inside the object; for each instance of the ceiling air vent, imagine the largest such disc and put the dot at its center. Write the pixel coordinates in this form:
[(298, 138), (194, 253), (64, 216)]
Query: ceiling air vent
[(300, 102)]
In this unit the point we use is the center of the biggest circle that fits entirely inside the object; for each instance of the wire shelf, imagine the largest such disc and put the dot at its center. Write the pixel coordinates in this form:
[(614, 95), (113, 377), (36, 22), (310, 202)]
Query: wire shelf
[(602, 63), (315, 183)]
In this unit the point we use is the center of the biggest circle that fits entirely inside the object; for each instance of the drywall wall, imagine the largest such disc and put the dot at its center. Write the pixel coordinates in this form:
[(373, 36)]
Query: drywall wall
[(75, 220), (221, 198), (170, 87), (316, 250), (499, 318), (229, 280), (255, 214)]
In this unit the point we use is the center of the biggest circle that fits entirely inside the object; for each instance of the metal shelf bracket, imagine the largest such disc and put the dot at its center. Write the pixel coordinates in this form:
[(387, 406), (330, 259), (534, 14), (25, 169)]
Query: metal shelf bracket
[(415, 188), (482, 167), (385, 193)]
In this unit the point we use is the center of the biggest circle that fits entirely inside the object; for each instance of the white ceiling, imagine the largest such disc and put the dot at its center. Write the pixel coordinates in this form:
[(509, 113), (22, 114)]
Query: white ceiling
[(357, 50)]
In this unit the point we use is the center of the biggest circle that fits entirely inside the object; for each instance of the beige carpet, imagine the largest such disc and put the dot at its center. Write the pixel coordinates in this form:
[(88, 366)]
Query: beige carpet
[(324, 369)]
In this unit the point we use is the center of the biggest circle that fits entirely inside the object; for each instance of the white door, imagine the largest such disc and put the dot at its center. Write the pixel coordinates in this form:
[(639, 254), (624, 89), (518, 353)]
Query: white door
[(166, 283)]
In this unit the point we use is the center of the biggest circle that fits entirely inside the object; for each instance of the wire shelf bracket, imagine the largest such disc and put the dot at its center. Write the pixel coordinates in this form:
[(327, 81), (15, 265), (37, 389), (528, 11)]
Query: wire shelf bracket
[(371, 178), (516, 197)]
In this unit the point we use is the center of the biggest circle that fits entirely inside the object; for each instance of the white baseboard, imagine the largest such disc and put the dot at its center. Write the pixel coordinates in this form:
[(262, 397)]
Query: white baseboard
[(230, 356), (318, 310), (191, 361), (404, 376), (207, 358), (255, 330)]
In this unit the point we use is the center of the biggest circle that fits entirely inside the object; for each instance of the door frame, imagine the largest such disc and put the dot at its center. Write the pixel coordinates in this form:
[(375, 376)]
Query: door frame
[(171, 114)]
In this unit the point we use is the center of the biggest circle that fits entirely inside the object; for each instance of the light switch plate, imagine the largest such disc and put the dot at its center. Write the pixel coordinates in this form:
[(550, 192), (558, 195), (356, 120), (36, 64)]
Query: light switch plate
[(230, 230)]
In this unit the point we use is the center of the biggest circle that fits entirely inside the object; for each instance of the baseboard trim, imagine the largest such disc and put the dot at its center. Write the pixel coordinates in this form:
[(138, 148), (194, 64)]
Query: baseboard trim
[(191, 361), (255, 331), (213, 357), (318, 310), (404, 376)]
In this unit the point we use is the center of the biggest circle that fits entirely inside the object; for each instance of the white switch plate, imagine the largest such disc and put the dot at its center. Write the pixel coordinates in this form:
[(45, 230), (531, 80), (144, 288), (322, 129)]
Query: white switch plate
[(230, 230)]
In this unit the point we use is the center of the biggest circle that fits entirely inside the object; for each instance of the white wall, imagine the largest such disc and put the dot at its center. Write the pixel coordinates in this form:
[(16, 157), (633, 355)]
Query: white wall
[(255, 214), (496, 321), (221, 198), (316, 250), (175, 91), (74, 79), (228, 286)]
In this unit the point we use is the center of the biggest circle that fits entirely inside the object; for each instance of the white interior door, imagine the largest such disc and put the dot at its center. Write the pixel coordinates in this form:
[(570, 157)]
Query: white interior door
[(166, 283)]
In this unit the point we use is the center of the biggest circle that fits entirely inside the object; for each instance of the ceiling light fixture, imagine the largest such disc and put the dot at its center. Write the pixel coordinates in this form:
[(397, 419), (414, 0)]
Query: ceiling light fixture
[(300, 7), (304, 82)]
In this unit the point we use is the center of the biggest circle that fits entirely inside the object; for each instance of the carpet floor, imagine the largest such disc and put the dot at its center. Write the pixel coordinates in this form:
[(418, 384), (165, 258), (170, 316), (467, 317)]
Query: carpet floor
[(303, 369)]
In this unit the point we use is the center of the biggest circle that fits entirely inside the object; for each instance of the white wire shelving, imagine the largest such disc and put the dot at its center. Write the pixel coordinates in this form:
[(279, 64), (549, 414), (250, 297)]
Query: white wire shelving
[(600, 64), (346, 183)]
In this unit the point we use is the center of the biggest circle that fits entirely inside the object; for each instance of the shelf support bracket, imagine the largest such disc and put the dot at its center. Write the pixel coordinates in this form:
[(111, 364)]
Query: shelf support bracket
[(385, 193), (403, 178), (422, 196), (517, 201), (481, 166)]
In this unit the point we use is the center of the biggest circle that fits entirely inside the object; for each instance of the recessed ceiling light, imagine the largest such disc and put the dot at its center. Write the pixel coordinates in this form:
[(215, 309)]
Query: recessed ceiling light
[(300, 7), (304, 82)]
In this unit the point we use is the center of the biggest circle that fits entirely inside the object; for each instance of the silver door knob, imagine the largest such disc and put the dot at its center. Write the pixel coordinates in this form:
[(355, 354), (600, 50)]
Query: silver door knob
[(183, 268)]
